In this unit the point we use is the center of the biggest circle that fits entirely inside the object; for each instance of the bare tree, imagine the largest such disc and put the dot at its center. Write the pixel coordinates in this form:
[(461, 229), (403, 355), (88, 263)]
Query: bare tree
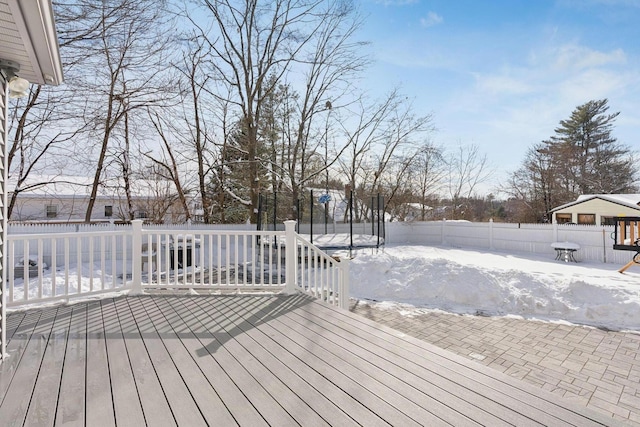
[(168, 165), (468, 168), (41, 139), (254, 41), (385, 134), (197, 114), (118, 60), (423, 180), (534, 187)]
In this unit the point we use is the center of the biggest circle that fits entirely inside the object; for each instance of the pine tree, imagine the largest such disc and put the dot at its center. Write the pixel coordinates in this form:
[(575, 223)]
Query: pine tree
[(586, 156)]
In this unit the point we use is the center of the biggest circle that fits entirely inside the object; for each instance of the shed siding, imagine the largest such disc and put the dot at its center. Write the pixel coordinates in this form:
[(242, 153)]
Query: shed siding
[(601, 208)]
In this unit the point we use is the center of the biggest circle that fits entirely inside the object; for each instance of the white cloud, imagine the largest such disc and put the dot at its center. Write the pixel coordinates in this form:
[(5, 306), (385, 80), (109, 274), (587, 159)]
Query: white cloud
[(431, 20), (573, 57), (501, 84)]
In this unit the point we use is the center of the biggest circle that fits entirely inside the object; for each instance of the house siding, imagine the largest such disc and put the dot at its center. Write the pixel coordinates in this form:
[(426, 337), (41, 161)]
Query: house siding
[(33, 208), (68, 208), (4, 97), (599, 207)]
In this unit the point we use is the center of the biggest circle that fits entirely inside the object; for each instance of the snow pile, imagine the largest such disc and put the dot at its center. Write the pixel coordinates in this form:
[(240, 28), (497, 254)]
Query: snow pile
[(474, 282)]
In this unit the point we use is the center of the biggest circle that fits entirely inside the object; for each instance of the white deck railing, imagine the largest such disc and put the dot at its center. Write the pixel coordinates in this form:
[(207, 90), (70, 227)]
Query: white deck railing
[(61, 266)]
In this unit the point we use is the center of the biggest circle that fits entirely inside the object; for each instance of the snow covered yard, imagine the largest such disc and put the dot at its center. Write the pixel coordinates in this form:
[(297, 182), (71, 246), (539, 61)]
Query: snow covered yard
[(411, 278), (415, 278)]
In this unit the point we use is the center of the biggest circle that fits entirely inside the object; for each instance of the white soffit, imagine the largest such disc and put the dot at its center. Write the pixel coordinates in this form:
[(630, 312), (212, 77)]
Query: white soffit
[(28, 37)]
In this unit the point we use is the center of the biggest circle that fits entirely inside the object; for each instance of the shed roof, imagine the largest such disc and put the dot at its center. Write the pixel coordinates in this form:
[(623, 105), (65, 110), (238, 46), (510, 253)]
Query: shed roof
[(628, 200)]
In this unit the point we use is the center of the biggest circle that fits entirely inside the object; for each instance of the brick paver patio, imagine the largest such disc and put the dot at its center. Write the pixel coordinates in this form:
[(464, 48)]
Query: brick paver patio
[(599, 369)]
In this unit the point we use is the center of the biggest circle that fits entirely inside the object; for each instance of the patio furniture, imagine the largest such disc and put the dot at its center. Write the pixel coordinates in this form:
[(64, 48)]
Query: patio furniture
[(565, 251)]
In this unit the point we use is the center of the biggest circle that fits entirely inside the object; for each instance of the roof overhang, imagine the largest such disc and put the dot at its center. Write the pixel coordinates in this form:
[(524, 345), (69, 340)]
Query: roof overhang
[(593, 197), (28, 37)]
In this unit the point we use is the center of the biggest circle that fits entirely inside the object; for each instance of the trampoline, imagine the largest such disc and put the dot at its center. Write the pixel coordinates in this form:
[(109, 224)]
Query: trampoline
[(329, 223)]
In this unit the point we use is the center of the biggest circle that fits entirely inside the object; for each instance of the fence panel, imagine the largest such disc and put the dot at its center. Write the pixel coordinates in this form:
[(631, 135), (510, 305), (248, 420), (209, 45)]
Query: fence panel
[(596, 242)]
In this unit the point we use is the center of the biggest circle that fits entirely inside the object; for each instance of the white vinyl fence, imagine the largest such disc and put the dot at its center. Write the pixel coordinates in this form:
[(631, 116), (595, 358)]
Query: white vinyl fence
[(62, 261), (46, 266), (596, 242)]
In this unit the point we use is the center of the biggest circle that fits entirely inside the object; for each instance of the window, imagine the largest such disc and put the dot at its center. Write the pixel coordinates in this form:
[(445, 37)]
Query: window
[(588, 219), (52, 211), (108, 211), (141, 214), (607, 220), (563, 218)]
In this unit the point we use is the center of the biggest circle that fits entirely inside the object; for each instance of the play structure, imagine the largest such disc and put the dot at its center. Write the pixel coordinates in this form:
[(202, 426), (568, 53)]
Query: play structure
[(627, 238), (331, 221)]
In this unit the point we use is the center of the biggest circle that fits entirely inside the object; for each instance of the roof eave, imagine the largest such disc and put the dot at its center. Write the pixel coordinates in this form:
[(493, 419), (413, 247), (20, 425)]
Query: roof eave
[(36, 25), (615, 202)]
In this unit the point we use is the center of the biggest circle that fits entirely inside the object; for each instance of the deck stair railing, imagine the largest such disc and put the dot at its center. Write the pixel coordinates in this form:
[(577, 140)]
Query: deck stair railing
[(61, 266)]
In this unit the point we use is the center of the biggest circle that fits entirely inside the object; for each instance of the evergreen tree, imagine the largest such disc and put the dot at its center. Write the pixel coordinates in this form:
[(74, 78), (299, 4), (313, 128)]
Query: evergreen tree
[(586, 156)]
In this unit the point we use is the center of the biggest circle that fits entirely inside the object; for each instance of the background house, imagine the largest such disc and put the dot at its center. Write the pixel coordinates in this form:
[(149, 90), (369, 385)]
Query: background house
[(65, 199), (597, 209)]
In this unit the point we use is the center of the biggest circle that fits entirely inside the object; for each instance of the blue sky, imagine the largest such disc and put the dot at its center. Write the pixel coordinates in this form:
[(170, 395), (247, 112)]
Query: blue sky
[(501, 74)]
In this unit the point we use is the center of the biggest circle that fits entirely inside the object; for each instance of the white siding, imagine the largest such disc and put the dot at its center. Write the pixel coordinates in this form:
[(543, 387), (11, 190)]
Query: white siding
[(601, 208), (3, 209)]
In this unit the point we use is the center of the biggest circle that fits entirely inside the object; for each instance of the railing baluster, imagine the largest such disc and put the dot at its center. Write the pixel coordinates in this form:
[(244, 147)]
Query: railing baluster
[(39, 262), (244, 258), (91, 264), (113, 262), (255, 241), (25, 269), (11, 262), (79, 264), (235, 259), (66, 266), (220, 269), (52, 267)]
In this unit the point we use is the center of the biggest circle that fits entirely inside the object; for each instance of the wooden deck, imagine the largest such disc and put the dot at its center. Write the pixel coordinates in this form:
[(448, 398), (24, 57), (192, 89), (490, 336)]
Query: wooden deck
[(251, 361)]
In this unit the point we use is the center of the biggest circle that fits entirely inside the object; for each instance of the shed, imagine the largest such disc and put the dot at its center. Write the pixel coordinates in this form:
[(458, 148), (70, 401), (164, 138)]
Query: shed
[(597, 209)]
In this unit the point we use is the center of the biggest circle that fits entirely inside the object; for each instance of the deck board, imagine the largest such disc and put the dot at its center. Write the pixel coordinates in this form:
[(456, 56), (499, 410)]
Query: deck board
[(27, 361), (152, 397), (43, 399), (194, 336), (203, 394), (72, 384), (249, 361), (267, 374), (220, 346), (438, 398), (274, 359), (126, 398), (501, 388), (447, 390), (98, 391), (348, 377), (185, 410)]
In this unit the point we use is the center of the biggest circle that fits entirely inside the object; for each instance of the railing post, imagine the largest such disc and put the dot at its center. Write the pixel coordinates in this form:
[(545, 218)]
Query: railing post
[(343, 290), (291, 257), (136, 256)]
